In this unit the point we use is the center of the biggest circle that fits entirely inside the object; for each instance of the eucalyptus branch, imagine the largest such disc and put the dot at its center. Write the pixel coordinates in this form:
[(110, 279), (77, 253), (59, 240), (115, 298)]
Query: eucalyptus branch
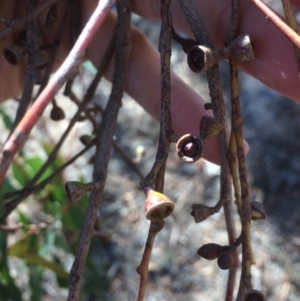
[(28, 190), (232, 33), (292, 22), (278, 22), (87, 99), (237, 127), (232, 159), (156, 176), (217, 100), (215, 88), (157, 173), (104, 144), (66, 71), (21, 23), (142, 269)]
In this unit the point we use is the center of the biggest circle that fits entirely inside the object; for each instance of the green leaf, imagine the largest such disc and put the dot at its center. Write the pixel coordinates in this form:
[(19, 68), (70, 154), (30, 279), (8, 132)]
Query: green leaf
[(9, 290), (19, 173), (38, 260), (34, 164), (6, 119), (6, 188), (27, 248)]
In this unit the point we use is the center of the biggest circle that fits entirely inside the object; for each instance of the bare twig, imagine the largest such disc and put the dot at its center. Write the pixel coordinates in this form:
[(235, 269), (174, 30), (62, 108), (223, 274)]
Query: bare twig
[(55, 46), (21, 23), (291, 21), (24, 193), (231, 156), (217, 100), (232, 159), (87, 98), (142, 269), (277, 21), (104, 143), (66, 71), (156, 176), (245, 280), (218, 107), (157, 173)]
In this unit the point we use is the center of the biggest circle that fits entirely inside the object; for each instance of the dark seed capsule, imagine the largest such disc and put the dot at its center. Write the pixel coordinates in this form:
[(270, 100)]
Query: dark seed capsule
[(190, 149), (57, 113), (198, 60), (210, 251), (254, 295), (227, 259), (208, 106)]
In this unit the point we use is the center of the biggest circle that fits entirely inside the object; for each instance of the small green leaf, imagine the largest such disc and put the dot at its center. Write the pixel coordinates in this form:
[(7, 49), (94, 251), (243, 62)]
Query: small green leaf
[(6, 119), (19, 173)]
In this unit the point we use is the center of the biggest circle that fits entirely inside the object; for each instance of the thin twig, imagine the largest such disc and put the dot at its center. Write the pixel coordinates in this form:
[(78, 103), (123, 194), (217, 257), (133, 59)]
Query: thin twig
[(237, 123), (291, 21), (142, 269), (24, 102), (215, 88), (104, 144), (87, 98), (54, 47), (166, 135), (65, 72), (218, 106), (6, 21), (232, 33), (232, 158), (21, 23), (24, 193), (277, 21), (127, 159)]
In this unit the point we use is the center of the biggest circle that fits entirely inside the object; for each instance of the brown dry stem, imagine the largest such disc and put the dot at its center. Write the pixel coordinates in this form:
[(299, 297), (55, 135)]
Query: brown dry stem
[(28, 190), (156, 176), (237, 124), (217, 100), (142, 269), (277, 21), (291, 21), (104, 144), (231, 157), (64, 73), (19, 24)]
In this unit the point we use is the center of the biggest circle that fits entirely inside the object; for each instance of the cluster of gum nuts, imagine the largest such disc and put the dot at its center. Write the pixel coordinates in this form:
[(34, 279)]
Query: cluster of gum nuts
[(227, 258)]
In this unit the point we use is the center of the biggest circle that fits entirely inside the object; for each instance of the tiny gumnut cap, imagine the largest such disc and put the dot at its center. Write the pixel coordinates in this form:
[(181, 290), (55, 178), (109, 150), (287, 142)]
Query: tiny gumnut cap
[(258, 211), (201, 212), (157, 205), (75, 191), (57, 113), (209, 127)]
